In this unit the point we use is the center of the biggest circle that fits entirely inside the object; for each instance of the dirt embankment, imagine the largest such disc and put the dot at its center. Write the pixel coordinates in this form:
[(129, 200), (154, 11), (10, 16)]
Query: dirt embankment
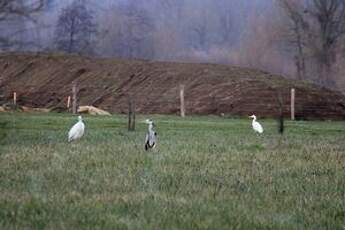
[(46, 80)]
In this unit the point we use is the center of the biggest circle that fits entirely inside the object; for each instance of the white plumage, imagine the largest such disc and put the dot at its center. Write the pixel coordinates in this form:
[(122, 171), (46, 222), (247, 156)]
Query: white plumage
[(77, 131), (256, 125), (150, 139)]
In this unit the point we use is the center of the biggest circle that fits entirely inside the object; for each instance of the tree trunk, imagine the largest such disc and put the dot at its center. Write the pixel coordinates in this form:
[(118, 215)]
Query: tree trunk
[(70, 45), (301, 58)]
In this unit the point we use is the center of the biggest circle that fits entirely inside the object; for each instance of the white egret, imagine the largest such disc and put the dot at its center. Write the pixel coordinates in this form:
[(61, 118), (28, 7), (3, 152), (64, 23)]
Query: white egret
[(256, 125), (77, 131), (151, 136)]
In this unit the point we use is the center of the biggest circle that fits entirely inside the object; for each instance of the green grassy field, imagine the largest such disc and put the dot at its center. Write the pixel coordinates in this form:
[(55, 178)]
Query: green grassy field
[(206, 173)]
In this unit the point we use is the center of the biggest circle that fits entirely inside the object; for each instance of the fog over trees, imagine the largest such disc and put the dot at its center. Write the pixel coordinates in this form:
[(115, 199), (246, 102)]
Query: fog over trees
[(75, 29), (15, 15), (302, 39)]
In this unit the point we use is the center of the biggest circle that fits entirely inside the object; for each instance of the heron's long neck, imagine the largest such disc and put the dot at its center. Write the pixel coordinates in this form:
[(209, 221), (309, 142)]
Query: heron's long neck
[(254, 119), (150, 127)]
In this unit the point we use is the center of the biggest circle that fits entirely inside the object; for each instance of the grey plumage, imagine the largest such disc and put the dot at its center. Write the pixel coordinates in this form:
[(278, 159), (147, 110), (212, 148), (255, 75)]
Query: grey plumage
[(151, 136)]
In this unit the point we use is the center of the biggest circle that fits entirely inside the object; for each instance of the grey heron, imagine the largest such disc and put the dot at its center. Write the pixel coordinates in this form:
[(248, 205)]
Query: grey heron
[(151, 136)]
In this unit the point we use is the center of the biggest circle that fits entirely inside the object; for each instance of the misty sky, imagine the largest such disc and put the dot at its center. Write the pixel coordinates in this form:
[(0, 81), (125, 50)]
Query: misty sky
[(185, 30)]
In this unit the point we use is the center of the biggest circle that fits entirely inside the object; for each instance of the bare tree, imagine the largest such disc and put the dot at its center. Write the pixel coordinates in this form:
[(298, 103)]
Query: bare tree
[(317, 27), (12, 8), (200, 35), (134, 36), (226, 25), (225, 11), (199, 29), (297, 27), (16, 10), (169, 31), (75, 29), (330, 29), (172, 8)]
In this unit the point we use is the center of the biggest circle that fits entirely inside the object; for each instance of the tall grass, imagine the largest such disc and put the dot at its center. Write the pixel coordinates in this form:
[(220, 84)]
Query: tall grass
[(206, 173)]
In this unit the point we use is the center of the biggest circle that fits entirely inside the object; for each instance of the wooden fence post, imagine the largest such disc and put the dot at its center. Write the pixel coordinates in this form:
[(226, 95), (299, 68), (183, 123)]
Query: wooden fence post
[(293, 104), (68, 102), (182, 106), (131, 114), (14, 99), (280, 112), (2, 97), (74, 98)]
